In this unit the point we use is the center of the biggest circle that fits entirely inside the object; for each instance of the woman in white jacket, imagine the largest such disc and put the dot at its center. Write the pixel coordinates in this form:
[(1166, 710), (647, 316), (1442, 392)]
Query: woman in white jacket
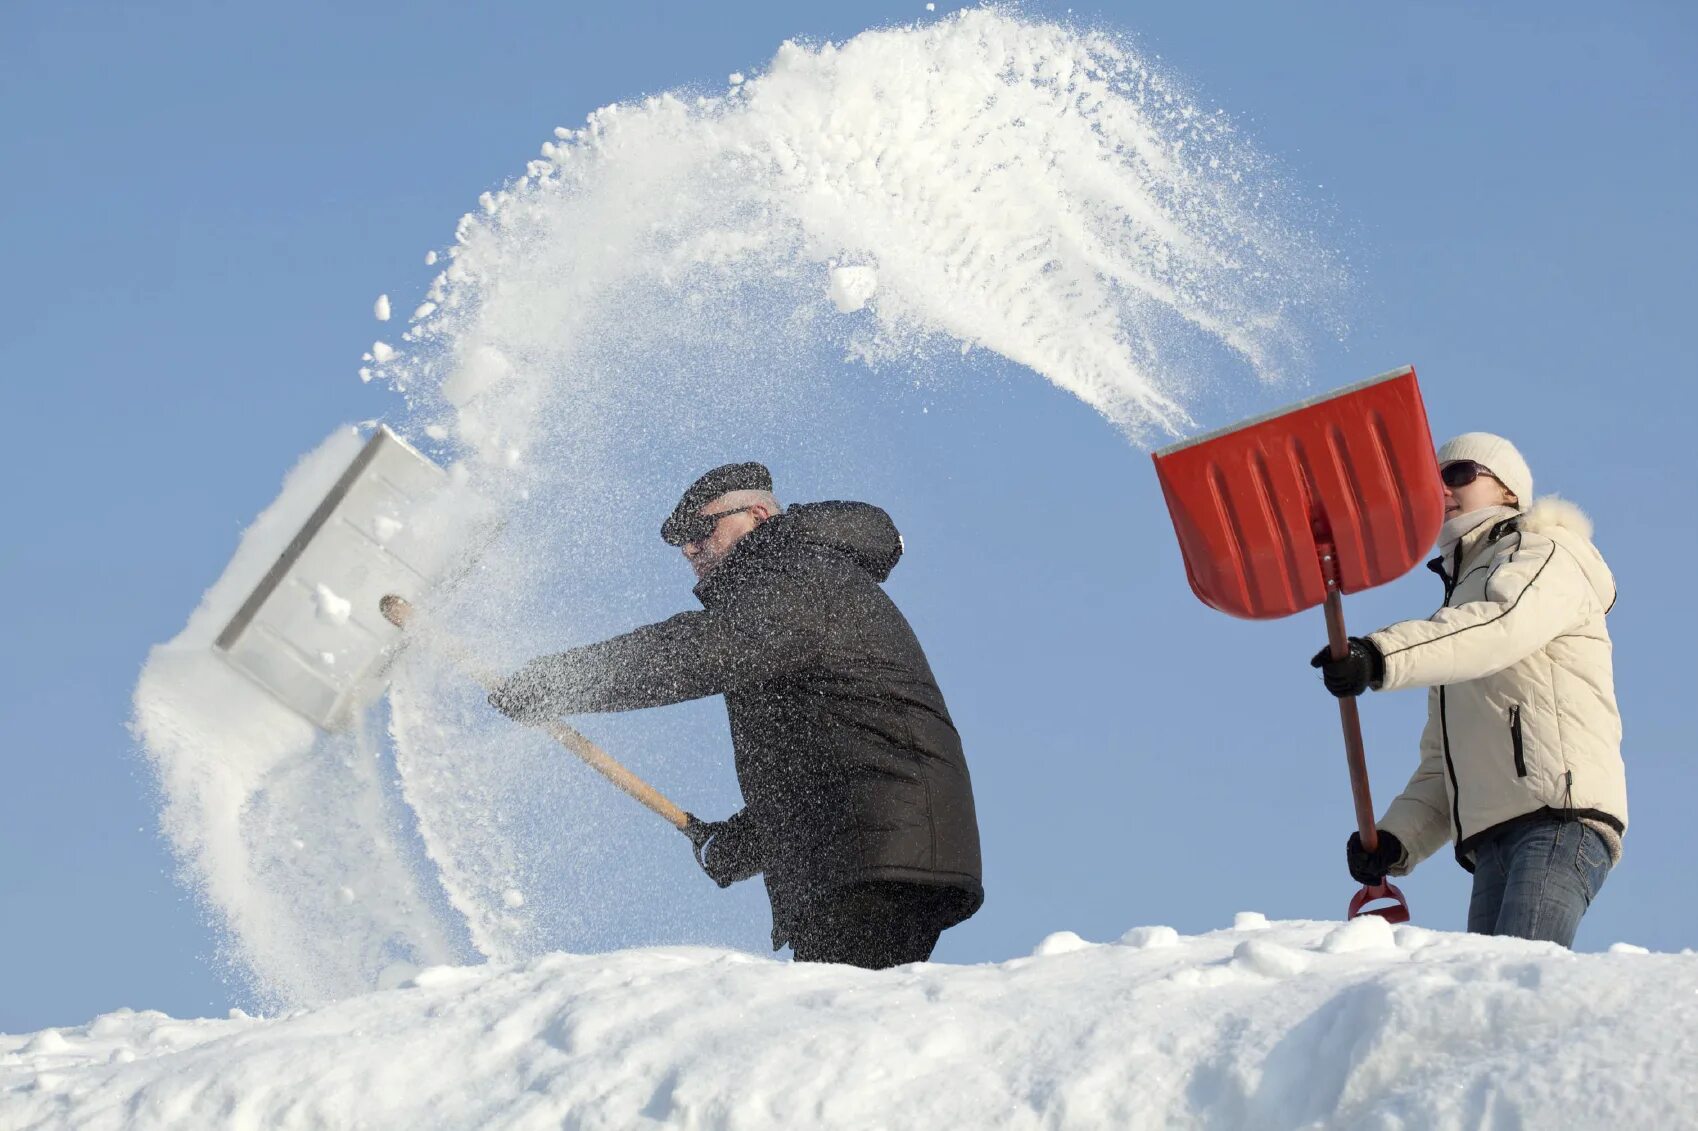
[(1521, 758)]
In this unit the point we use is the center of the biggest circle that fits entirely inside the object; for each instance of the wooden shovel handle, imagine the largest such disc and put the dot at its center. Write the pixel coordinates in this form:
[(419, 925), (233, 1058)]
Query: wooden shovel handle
[(398, 612), (603, 763)]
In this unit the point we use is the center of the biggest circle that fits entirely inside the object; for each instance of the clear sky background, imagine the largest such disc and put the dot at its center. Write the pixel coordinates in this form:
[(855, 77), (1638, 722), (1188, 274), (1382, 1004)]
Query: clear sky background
[(203, 201)]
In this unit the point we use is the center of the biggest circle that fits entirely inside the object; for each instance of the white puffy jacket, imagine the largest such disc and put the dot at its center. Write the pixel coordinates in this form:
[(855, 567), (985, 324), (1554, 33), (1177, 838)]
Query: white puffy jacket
[(1522, 715)]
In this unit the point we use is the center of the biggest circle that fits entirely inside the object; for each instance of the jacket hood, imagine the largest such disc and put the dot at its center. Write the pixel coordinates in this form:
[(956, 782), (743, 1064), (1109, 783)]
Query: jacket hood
[(1561, 521), (861, 531)]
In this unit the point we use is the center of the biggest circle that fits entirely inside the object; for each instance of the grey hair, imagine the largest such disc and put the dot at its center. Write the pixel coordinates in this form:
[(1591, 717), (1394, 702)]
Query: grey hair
[(732, 499)]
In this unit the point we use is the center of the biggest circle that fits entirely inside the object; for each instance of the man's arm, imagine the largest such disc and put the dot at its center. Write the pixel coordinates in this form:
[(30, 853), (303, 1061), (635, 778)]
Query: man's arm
[(762, 635)]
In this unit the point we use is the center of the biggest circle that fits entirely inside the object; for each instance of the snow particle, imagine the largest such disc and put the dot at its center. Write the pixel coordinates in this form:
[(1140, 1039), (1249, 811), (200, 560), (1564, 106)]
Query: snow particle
[(381, 308), (47, 1041), (430, 259), (331, 609), (1150, 938), (1061, 942), (851, 287), (513, 898), (1269, 959), (1365, 932), (432, 976), (382, 352), (736, 78)]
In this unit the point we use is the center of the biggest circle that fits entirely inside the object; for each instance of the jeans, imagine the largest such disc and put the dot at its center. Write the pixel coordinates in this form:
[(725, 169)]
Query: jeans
[(1535, 879)]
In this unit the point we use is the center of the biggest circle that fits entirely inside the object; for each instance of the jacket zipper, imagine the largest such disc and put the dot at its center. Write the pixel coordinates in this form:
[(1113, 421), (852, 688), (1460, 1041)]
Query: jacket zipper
[(1444, 721), (1515, 741), (1450, 767)]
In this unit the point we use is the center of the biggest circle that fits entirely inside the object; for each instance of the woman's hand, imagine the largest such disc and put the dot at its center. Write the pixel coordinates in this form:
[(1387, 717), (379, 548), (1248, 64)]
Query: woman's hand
[(1371, 867), (1361, 667)]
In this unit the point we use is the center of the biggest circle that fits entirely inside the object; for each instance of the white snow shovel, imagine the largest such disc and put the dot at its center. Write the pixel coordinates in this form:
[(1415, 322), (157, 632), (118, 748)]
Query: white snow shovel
[(310, 633)]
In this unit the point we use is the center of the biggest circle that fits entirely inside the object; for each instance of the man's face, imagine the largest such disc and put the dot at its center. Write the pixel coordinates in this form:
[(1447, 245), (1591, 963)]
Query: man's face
[(705, 554)]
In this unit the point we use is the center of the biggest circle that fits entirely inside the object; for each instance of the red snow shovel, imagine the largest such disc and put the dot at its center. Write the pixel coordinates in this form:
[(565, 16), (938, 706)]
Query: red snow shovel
[(1294, 509)]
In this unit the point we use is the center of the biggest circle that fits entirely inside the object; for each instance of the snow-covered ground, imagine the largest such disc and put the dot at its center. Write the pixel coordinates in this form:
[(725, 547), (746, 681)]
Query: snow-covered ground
[(1286, 1024)]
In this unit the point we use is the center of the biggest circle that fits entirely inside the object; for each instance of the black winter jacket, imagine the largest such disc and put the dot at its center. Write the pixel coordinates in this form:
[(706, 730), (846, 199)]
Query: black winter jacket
[(850, 766)]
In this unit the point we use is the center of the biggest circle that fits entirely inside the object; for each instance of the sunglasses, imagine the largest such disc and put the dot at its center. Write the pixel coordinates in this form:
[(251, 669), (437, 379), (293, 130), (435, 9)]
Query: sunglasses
[(1463, 472), (700, 527)]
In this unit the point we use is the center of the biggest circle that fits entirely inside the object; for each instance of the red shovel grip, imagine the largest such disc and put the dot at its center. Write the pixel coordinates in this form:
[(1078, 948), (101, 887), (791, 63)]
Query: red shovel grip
[(1398, 912)]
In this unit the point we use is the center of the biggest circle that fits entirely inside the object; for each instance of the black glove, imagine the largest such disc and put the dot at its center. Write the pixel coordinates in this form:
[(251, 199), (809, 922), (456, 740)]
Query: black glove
[(1371, 867), (727, 850), (523, 696), (1362, 665)]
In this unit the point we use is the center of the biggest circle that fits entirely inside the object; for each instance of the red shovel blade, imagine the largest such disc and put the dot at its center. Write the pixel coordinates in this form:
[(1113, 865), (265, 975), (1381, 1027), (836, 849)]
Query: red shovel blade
[(1252, 504), (1397, 912)]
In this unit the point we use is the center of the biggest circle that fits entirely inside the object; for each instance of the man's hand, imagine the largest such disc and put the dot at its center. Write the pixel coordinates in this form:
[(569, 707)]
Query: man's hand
[(728, 850), (1361, 666), (1371, 867)]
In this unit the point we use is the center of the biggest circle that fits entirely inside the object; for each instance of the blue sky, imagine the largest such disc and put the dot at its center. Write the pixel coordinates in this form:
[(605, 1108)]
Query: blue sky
[(205, 201)]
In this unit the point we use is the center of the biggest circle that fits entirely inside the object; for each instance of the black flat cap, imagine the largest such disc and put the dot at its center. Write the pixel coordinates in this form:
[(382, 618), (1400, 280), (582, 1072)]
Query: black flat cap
[(729, 477)]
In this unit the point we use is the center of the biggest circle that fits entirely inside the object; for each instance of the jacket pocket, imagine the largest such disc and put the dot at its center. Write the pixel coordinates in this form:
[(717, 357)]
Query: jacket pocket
[(1517, 743)]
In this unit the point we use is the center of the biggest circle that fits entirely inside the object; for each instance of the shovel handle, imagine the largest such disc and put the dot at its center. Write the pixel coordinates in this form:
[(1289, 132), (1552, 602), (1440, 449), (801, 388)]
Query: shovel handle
[(603, 763), (1398, 912), (398, 612), (1354, 754), (1339, 643)]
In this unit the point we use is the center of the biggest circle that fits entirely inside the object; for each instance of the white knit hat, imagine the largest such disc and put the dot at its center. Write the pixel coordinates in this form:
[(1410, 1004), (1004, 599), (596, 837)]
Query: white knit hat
[(1496, 455)]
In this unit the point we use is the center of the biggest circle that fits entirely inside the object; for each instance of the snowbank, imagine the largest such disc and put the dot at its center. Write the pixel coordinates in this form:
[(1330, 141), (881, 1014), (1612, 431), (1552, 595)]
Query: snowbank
[(1298, 1024)]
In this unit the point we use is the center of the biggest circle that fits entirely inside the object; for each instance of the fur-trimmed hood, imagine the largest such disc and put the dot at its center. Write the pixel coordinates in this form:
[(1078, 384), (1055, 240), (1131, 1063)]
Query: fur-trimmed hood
[(1571, 528), (1552, 511)]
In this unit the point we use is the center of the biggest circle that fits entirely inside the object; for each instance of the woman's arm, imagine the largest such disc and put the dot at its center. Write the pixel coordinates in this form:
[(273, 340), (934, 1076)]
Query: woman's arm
[(1535, 592)]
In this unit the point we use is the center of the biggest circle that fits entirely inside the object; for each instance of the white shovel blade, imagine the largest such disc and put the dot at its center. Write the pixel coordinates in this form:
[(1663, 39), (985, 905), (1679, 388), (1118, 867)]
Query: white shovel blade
[(311, 633)]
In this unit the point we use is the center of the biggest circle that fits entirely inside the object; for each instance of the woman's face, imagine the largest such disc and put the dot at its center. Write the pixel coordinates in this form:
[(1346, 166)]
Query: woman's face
[(1483, 492)]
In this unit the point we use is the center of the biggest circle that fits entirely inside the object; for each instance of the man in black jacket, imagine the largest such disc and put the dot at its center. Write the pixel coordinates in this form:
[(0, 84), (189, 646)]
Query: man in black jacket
[(858, 808)]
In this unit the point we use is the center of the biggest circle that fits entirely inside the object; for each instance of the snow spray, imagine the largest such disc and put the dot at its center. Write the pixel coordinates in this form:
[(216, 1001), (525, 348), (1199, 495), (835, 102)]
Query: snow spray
[(681, 281)]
